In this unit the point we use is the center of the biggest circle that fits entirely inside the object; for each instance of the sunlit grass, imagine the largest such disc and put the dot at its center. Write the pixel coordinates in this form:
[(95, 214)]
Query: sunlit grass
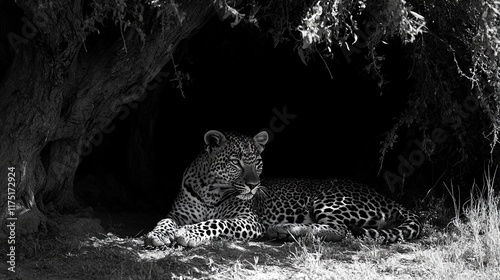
[(478, 243)]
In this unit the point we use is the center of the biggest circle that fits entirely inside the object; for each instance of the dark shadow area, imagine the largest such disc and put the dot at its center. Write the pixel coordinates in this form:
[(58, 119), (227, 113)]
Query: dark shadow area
[(235, 79)]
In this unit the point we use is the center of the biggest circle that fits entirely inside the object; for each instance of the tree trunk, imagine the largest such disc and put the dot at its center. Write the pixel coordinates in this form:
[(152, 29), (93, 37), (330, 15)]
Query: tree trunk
[(141, 150), (60, 95)]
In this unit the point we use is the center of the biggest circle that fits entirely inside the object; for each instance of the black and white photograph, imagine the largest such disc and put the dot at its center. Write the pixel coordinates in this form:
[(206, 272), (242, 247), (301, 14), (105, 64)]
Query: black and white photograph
[(249, 139)]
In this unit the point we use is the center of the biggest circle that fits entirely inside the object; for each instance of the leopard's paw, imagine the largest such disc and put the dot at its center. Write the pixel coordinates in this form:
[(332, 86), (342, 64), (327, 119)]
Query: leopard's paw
[(279, 232), (162, 236), (154, 240), (189, 238)]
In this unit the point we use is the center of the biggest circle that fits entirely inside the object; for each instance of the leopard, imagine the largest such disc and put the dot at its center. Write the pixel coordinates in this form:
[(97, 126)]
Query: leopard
[(223, 197)]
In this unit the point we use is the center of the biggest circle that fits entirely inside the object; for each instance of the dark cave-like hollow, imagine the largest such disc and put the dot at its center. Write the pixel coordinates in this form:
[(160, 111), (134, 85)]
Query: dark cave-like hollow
[(320, 127)]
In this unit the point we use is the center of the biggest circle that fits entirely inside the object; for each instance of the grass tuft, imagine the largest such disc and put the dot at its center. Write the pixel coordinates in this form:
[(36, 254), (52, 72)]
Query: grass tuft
[(479, 231)]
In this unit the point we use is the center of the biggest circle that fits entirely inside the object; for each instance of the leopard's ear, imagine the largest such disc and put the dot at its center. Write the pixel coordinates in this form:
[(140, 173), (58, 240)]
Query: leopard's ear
[(214, 139), (261, 139)]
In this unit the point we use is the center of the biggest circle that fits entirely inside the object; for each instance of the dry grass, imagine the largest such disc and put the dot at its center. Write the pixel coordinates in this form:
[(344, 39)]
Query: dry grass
[(468, 249)]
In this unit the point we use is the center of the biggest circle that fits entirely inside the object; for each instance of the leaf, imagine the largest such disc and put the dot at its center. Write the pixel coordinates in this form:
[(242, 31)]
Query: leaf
[(418, 16)]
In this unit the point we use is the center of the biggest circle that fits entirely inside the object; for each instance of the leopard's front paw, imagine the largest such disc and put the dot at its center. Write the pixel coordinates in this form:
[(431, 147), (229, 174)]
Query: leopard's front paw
[(154, 240), (188, 237), (162, 236)]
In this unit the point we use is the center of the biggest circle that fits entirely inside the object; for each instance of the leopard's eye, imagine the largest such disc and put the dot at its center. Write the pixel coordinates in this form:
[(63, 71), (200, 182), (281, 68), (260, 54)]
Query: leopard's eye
[(235, 161), (258, 161)]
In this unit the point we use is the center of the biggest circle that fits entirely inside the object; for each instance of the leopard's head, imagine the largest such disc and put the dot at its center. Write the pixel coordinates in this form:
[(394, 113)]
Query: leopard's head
[(235, 162)]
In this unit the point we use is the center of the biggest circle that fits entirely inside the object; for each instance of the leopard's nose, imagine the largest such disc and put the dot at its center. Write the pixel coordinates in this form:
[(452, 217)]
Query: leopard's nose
[(252, 185)]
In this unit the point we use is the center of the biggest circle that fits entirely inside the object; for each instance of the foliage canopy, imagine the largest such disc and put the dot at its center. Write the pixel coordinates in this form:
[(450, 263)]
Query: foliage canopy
[(454, 47)]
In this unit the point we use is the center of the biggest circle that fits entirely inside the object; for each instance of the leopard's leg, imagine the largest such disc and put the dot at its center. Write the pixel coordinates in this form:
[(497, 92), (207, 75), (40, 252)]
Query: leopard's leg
[(321, 222), (290, 231), (408, 228), (183, 212), (242, 228)]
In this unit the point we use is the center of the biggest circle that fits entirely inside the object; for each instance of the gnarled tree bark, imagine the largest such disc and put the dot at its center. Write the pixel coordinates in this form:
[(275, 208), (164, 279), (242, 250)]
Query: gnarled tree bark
[(60, 92)]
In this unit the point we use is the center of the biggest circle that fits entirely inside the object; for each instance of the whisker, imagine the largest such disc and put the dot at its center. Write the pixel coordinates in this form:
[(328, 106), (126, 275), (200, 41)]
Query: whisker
[(219, 184), (263, 191), (227, 194), (239, 187)]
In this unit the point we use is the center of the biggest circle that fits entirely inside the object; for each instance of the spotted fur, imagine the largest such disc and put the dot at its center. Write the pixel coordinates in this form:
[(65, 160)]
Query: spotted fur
[(222, 196)]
